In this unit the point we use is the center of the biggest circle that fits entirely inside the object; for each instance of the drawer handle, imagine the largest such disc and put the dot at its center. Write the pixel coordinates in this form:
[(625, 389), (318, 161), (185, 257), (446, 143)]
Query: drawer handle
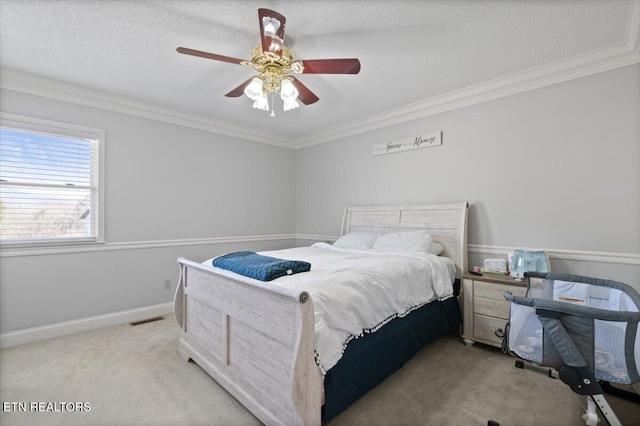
[(499, 333)]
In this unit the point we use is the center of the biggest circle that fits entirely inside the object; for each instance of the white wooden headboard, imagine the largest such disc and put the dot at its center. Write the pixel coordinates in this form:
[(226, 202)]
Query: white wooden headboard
[(446, 223)]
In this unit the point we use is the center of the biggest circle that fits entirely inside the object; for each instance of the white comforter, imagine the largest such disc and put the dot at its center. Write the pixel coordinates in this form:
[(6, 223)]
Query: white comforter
[(356, 292)]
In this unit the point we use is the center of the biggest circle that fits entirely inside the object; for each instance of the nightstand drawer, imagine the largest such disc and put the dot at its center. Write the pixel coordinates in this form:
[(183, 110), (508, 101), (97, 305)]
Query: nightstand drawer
[(485, 309), (496, 291), (484, 328), (491, 307)]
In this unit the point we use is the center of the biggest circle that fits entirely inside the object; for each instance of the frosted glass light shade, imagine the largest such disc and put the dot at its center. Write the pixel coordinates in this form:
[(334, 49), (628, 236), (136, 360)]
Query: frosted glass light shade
[(261, 102), (288, 90), (288, 94), (290, 104), (254, 89)]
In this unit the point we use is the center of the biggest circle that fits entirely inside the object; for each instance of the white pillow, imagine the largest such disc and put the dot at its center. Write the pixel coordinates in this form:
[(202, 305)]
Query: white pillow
[(409, 241), (436, 248), (359, 240)]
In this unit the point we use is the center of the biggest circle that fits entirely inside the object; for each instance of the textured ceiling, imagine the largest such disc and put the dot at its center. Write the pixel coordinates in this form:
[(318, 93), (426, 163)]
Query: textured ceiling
[(410, 51)]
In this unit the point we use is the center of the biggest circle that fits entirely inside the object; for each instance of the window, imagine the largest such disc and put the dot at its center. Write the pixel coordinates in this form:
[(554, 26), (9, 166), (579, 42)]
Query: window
[(50, 182)]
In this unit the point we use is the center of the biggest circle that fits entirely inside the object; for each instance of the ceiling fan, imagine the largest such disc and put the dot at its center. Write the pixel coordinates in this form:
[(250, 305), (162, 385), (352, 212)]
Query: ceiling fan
[(274, 63)]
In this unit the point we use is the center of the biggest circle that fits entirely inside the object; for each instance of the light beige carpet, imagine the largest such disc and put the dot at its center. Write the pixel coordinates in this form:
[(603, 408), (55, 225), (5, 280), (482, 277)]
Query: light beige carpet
[(134, 376)]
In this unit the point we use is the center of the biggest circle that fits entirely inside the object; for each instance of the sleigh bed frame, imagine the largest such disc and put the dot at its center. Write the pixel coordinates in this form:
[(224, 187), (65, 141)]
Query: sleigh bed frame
[(257, 339)]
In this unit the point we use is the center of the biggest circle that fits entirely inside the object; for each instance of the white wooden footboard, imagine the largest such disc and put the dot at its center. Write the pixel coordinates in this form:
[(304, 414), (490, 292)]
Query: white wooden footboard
[(255, 340)]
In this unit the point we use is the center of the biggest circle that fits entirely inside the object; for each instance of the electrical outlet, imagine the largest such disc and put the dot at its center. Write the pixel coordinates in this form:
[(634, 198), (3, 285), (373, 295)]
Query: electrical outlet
[(167, 284)]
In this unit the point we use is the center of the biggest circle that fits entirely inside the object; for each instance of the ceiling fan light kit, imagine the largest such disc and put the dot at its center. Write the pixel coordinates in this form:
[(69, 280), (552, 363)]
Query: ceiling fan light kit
[(274, 63)]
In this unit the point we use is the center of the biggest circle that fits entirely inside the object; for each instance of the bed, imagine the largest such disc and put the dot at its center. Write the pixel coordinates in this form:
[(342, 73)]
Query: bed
[(258, 339)]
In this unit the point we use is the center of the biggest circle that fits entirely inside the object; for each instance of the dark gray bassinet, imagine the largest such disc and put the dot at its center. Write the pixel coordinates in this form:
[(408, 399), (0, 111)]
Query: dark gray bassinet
[(586, 328)]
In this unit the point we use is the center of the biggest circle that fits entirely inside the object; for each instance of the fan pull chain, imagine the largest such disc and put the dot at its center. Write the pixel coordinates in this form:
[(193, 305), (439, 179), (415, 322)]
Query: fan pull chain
[(273, 105)]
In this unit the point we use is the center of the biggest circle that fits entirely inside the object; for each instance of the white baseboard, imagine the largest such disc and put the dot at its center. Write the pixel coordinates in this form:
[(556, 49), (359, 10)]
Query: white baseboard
[(35, 334)]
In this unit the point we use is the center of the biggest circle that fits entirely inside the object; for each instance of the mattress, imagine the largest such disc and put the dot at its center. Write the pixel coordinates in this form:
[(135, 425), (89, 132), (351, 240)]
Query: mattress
[(355, 293)]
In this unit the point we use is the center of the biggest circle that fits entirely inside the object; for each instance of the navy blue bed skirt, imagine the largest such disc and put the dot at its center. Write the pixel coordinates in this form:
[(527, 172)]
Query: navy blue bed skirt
[(369, 360)]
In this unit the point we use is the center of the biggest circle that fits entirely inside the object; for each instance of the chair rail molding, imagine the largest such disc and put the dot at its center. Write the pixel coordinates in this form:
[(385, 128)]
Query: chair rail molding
[(564, 254), (138, 245)]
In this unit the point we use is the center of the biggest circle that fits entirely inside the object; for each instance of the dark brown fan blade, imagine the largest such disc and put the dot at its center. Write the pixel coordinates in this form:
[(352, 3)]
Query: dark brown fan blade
[(305, 95), (267, 40), (208, 55), (239, 91), (331, 66)]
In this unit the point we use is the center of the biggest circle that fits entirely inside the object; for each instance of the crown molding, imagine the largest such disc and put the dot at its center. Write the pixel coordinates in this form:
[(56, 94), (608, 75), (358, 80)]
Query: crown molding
[(633, 27), (55, 89), (608, 58)]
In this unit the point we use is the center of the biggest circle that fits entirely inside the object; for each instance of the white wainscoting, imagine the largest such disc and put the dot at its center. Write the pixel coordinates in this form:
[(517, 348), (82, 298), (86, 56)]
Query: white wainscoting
[(581, 255), (623, 267), (167, 250), (138, 245)]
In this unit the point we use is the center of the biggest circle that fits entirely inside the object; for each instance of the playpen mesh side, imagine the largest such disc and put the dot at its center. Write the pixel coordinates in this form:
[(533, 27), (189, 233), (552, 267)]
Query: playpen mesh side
[(611, 349), (525, 333)]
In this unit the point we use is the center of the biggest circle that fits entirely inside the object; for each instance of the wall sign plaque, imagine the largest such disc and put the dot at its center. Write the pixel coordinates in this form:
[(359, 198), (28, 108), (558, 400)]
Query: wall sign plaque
[(408, 144)]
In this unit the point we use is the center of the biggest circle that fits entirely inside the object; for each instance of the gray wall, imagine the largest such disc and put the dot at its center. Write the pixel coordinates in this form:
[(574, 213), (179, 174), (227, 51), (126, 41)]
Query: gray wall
[(163, 183), (553, 168)]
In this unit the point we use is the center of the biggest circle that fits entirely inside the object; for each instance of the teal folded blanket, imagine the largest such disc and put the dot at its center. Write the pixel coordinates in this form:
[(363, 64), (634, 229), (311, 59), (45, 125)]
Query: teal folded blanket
[(259, 267)]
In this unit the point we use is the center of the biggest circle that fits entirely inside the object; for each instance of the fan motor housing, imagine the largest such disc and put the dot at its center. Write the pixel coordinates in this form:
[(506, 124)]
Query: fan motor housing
[(262, 60)]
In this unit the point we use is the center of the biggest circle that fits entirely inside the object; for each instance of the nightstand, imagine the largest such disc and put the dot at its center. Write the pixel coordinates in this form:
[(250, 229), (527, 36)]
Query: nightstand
[(485, 310)]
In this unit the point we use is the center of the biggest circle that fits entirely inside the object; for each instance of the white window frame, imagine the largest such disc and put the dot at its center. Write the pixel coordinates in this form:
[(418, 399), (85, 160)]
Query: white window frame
[(25, 123)]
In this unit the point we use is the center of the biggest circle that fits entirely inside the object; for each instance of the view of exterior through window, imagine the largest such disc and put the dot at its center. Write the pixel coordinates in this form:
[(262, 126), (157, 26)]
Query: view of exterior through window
[(49, 187)]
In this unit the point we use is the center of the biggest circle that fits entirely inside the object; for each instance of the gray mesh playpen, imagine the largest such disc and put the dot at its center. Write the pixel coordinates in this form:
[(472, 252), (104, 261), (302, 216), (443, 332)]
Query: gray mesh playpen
[(586, 328)]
